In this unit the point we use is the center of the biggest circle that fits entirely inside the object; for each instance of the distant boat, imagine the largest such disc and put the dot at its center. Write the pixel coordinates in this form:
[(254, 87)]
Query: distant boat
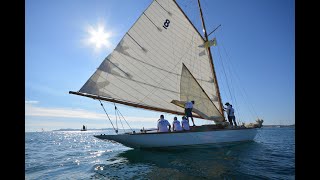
[(161, 63), (84, 128)]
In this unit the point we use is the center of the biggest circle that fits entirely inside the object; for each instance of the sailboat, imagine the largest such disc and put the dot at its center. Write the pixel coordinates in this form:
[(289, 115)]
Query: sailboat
[(160, 63), (84, 128)]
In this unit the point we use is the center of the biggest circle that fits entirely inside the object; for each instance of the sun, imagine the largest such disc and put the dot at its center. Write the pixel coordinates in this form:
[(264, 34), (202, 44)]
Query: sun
[(99, 37)]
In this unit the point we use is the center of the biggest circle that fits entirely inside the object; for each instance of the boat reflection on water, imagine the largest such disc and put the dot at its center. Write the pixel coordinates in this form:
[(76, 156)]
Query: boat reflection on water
[(212, 161)]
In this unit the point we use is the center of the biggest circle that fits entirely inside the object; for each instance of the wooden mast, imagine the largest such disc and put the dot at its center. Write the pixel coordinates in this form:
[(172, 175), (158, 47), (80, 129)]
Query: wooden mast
[(211, 62)]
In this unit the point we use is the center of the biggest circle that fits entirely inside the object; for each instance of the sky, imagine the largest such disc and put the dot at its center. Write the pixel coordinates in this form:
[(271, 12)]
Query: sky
[(65, 41)]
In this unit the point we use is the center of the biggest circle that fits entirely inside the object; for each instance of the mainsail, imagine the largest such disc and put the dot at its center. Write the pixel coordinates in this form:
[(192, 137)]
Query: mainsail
[(144, 70)]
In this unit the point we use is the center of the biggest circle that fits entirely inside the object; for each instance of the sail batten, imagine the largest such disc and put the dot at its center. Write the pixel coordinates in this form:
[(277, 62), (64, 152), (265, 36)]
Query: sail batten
[(145, 67)]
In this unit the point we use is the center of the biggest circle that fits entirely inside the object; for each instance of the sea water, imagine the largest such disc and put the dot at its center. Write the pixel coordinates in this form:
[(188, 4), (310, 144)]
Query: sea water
[(79, 155)]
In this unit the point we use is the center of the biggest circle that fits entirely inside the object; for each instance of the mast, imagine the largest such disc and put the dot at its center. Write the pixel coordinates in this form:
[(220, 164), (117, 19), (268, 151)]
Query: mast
[(211, 61)]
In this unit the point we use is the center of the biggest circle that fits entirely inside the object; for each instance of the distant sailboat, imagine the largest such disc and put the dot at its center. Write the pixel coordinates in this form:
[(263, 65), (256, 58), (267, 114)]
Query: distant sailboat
[(160, 63), (84, 128)]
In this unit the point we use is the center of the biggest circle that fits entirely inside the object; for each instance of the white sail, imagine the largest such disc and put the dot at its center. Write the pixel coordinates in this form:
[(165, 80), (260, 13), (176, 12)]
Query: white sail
[(191, 90), (145, 67)]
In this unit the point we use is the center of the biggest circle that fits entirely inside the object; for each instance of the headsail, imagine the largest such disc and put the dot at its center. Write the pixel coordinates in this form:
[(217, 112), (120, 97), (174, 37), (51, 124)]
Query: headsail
[(191, 90), (144, 70)]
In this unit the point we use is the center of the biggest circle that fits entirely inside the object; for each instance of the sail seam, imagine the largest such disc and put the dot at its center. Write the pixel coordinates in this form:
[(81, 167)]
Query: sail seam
[(147, 43), (136, 42), (152, 22), (134, 64), (162, 7), (125, 91), (154, 90)]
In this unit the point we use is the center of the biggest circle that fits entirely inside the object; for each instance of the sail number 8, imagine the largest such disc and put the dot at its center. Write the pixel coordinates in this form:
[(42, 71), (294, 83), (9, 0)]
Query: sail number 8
[(166, 24)]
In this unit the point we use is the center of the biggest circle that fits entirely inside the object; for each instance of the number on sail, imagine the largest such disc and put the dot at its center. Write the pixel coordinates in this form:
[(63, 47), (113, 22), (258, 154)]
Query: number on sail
[(166, 23)]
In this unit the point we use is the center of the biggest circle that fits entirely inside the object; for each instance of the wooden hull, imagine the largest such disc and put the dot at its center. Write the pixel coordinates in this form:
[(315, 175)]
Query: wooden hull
[(189, 138)]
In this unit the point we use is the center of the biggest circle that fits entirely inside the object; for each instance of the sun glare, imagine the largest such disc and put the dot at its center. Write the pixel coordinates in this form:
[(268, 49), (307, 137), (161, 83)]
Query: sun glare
[(99, 37)]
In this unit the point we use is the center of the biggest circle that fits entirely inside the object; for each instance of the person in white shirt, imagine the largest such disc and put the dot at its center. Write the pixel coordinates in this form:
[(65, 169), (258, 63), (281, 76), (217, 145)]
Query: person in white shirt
[(230, 113), (185, 124), (162, 125), (188, 110), (176, 125)]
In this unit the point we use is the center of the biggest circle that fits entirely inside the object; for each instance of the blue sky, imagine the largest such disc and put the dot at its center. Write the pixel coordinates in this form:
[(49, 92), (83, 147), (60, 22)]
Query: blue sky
[(256, 45)]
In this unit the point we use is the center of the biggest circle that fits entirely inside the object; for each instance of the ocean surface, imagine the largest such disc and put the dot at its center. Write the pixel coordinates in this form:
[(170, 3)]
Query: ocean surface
[(79, 155)]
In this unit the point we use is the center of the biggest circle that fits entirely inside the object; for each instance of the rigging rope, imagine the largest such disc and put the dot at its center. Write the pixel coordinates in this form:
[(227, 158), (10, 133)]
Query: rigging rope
[(116, 130), (245, 94), (116, 114), (228, 81), (229, 87), (117, 110), (241, 89), (231, 90)]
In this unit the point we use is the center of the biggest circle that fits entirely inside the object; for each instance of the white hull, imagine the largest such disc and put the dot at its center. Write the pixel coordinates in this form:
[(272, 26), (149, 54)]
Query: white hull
[(156, 140)]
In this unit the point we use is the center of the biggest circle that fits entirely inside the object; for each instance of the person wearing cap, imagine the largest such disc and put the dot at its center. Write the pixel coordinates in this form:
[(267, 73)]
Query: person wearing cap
[(230, 113), (185, 124), (176, 126), (188, 110)]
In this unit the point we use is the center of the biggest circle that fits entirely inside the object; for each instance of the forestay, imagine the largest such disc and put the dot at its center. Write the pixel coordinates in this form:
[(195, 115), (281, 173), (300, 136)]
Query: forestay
[(145, 67)]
